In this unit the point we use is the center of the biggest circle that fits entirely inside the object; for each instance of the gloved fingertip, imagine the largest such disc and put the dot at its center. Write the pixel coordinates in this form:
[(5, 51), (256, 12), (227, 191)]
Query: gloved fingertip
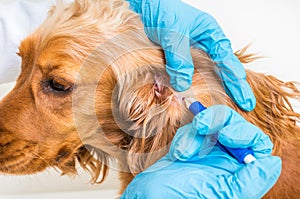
[(241, 94), (180, 83), (248, 104)]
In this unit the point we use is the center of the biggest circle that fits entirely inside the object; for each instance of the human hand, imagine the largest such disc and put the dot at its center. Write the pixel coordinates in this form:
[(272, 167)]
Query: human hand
[(196, 168), (176, 26)]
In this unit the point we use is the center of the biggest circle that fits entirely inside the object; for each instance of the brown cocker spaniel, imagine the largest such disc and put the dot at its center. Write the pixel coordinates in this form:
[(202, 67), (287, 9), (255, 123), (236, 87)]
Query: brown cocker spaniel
[(93, 89)]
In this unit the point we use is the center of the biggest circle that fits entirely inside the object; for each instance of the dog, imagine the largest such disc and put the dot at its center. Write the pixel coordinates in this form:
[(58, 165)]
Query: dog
[(93, 89)]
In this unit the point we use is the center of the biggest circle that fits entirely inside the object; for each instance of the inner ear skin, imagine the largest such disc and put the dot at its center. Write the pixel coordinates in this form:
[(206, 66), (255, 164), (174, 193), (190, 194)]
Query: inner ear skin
[(158, 89), (162, 90)]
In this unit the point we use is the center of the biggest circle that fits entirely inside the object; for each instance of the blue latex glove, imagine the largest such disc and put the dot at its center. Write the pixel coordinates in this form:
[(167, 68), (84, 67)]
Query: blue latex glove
[(175, 26), (195, 168)]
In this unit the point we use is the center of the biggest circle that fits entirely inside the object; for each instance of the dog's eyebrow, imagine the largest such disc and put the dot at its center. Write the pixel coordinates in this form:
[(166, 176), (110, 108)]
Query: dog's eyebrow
[(47, 68), (58, 70)]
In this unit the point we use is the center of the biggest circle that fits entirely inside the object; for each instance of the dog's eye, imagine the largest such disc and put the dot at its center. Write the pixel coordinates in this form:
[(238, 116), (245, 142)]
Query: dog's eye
[(57, 84)]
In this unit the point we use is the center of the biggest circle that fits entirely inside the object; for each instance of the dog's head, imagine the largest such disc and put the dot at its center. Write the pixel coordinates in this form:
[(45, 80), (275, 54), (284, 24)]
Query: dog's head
[(71, 92), (37, 128)]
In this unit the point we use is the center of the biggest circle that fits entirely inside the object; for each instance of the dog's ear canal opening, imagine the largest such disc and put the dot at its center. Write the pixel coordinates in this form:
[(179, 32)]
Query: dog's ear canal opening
[(161, 89), (158, 89)]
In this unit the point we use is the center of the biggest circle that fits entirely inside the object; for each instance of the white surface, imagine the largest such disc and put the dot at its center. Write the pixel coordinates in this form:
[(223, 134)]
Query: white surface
[(273, 27), (15, 23), (51, 181), (104, 194)]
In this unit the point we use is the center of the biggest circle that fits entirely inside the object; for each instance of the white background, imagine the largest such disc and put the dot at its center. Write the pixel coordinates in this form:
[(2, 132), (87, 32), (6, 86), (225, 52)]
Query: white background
[(273, 28)]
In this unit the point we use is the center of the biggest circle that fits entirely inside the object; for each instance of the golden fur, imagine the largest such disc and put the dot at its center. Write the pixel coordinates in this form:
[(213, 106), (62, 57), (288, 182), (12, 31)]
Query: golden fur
[(115, 101)]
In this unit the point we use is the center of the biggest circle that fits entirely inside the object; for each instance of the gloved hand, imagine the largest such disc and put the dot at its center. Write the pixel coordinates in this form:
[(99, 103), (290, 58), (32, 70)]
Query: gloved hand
[(195, 168), (175, 25)]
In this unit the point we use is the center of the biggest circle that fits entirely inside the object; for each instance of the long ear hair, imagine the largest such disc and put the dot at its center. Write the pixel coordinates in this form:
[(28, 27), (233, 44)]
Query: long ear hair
[(95, 162), (274, 113)]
